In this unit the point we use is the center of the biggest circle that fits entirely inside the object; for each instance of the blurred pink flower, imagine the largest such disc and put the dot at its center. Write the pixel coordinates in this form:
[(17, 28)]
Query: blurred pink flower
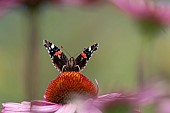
[(155, 92), (5, 4), (74, 2), (146, 10), (148, 96), (163, 105), (152, 92)]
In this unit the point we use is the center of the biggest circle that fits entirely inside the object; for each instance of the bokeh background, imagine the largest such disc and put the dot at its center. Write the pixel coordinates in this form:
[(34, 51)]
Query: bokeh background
[(114, 64)]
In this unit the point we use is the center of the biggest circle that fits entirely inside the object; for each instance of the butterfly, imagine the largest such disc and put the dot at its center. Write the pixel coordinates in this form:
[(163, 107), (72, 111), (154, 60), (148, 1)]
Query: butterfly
[(63, 64)]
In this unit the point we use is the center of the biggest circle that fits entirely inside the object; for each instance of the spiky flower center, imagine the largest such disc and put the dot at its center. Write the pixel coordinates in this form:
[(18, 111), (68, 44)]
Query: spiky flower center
[(68, 86)]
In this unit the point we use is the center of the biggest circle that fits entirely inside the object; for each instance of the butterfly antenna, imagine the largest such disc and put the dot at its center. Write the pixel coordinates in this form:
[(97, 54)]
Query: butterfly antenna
[(79, 52), (66, 51)]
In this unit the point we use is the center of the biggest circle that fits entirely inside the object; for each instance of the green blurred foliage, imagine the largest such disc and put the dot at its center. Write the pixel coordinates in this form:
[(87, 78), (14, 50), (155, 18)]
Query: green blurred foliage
[(74, 28), (119, 107)]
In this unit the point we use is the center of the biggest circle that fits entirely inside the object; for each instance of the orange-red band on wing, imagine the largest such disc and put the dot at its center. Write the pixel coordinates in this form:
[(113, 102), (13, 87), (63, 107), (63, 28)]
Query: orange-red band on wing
[(84, 55), (58, 53)]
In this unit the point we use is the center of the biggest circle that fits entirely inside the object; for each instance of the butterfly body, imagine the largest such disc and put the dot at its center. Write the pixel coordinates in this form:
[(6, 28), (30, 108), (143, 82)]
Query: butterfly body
[(71, 66), (63, 64)]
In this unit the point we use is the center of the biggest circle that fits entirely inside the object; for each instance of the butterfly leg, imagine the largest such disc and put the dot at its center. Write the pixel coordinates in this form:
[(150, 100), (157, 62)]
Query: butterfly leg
[(78, 67), (63, 68)]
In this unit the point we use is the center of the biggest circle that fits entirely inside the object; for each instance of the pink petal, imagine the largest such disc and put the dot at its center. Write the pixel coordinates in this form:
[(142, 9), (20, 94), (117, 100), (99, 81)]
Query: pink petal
[(109, 97), (101, 100), (16, 107), (146, 9), (41, 102), (68, 108), (88, 108), (75, 2), (44, 106), (146, 96), (151, 93), (137, 8), (163, 13), (109, 100)]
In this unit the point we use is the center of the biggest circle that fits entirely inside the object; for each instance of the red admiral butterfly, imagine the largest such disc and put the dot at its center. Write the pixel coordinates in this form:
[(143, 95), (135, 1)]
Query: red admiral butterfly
[(63, 64)]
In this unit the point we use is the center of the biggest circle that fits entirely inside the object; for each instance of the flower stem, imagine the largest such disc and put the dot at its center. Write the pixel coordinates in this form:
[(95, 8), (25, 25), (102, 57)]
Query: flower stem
[(32, 60), (140, 71), (145, 61)]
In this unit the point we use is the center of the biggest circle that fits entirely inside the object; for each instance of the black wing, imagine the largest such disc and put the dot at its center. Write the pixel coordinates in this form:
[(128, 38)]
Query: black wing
[(85, 56), (58, 58)]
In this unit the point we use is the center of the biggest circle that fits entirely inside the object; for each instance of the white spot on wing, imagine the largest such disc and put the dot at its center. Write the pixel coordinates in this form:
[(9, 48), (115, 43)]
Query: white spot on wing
[(89, 48), (52, 46)]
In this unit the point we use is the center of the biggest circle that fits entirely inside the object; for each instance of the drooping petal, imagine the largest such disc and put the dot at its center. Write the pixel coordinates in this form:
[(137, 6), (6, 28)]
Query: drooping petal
[(101, 101), (93, 110), (152, 92), (110, 102), (107, 97), (88, 109), (68, 108), (86, 106), (44, 106), (146, 96), (10, 107)]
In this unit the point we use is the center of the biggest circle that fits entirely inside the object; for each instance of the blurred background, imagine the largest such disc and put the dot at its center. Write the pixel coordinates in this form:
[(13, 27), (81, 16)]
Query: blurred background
[(114, 64)]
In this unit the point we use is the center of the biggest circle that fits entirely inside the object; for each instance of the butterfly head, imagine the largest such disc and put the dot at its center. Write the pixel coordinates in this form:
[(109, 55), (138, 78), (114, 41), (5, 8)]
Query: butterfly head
[(71, 62)]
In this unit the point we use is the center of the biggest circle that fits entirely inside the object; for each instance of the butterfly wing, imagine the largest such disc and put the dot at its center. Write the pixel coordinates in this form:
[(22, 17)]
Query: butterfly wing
[(85, 56), (58, 58)]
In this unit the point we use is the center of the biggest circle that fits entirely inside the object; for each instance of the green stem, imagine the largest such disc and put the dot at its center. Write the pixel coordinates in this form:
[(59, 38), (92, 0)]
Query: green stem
[(32, 60), (140, 71), (149, 58), (145, 61)]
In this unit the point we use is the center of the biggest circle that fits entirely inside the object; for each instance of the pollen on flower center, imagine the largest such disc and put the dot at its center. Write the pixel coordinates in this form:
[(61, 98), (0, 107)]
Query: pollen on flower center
[(68, 86)]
